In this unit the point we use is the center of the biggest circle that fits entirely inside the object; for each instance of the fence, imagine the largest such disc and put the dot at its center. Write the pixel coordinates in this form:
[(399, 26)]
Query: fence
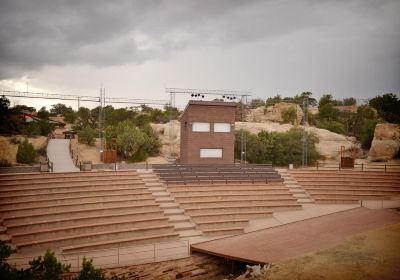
[(120, 256), (384, 167)]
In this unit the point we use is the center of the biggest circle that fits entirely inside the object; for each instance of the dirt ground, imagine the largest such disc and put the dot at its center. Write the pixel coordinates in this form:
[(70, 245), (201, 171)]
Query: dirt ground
[(371, 255), (8, 150)]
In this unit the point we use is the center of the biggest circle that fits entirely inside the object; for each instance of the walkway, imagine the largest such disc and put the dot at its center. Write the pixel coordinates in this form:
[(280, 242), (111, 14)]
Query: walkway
[(58, 153), (298, 238)]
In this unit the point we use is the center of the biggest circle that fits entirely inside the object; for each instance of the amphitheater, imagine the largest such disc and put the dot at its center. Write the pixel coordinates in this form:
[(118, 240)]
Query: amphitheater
[(167, 212)]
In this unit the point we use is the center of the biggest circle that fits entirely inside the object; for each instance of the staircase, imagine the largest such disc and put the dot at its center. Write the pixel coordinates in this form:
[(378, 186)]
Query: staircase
[(294, 188)]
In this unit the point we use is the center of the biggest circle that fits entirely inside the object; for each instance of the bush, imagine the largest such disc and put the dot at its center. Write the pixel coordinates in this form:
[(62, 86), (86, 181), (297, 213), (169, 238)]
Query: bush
[(26, 153), (89, 272), (367, 133), (4, 163), (47, 268), (33, 129), (333, 126), (86, 136), (289, 115), (277, 148)]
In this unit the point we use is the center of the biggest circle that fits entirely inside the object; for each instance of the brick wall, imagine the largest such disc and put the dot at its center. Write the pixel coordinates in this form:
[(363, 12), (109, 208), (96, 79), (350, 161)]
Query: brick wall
[(192, 142)]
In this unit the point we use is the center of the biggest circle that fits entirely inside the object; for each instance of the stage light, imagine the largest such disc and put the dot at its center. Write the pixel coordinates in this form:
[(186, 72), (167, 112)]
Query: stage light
[(202, 96)]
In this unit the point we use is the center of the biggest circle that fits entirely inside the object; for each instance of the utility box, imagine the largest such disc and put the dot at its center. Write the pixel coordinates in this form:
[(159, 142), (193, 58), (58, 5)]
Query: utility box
[(44, 166), (347, 162), (86, 166)]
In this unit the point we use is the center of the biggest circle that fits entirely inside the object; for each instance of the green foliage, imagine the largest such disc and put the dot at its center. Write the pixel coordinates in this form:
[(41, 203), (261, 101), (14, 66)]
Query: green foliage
[(349, 101), (134, 143), (4, 163), (33, 129), (47, 268), (289, 115), (325, 99), (367, 133), (297, 99), (70, 117), (277, 148), (257, 102), (388, 107), (14, 140), (26, 153), (60, 109), (328, 112), (43, 113), (333, 126), (86, 135), (89, 272)]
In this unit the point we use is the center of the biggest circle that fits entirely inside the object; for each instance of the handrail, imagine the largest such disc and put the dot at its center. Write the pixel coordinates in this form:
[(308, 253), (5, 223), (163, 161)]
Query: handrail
[(360, 166)]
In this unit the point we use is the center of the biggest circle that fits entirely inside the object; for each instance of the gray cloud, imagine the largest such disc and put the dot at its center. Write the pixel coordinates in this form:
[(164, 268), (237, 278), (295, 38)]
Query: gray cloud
[(35, 34)]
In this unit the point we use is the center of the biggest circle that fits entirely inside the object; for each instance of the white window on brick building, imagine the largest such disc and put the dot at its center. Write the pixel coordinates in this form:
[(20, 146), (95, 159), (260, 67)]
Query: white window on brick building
[(222, 127), (211, 153), (200, 127)]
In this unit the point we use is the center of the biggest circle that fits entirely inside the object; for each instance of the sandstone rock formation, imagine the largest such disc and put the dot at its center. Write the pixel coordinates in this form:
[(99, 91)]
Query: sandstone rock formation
[(386, 142), (273, 113)]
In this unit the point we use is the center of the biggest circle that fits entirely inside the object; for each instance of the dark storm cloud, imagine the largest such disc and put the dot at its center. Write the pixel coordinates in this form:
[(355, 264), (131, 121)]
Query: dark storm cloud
[(103, 33)]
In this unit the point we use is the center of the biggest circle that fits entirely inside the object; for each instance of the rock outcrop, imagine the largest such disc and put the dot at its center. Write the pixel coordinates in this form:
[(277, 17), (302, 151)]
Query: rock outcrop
[(386, 142), (273, 113)]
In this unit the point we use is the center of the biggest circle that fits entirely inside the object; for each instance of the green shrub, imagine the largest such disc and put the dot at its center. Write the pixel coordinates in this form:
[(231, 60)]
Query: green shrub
[(289, 115), (367, 133), (86, 136), (33, 129), (26, 153), (333, 126), (47, 268), (4, 163), (89, 272)]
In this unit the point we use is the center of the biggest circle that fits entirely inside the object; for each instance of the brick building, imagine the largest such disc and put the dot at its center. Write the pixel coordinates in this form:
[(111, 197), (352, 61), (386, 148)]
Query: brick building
[(208, 132)]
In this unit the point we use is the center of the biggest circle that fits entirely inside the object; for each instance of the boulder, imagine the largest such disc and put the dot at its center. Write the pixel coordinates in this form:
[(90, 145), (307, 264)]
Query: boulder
[(386, 142), (273, 113)]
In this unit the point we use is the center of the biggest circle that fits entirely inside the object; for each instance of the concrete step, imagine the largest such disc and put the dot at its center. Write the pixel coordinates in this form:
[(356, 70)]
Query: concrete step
[(221, 224), (150, 239), (160, 194), (301, 195), (154, 184), (305, 200), (184, 226), (68, 221), (237, 202), (189, 233), (151, 180), (223, 231), (164, 199), (245, 208), (167, 205), (296, 190), (179, 219), (173, 212), (156, 189), (222, 198), (217, 216)]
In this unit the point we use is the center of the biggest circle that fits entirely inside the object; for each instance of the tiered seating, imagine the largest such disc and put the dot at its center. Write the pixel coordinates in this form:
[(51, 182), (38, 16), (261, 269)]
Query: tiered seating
[(80, 211), (348, 186), (224, 173), (222, 209)]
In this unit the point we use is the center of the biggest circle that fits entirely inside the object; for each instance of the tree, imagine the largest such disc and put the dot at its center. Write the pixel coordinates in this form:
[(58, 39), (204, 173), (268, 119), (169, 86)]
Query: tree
[(325, 99), (257, 102), (273, 100), (26, 153), (87, 136), (47, 268), (367, 133), (387, 106), (43, 113), (60, 109), (349, 101), (333, 126), (289, 115), (328, 112), (89, 272)]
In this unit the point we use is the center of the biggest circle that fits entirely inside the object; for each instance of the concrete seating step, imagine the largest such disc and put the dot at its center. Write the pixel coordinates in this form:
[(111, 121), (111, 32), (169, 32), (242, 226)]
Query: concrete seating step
[(221, 224), (150, 180), (85, 219), (5, 237), (382, 191), (245, 191), (336, 201), (236, 202), (23, 204), (173, 212), (216, 216), (77, 213), (301, 195), (245, 208), (169, 205), (233, 197), (156, 189), (66, 231), (156, 238), (299, 190), (350, 196), (102, 236), (154, 184), (223, 231), (6, 212)]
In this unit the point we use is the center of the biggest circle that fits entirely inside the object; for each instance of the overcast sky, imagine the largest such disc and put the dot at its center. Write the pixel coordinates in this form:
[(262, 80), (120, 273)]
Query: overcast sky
[(137, 48)]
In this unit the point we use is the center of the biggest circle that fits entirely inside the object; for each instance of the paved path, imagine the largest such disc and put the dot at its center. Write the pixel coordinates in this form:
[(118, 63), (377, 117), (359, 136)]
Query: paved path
[(58, 153), (298, 238)]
